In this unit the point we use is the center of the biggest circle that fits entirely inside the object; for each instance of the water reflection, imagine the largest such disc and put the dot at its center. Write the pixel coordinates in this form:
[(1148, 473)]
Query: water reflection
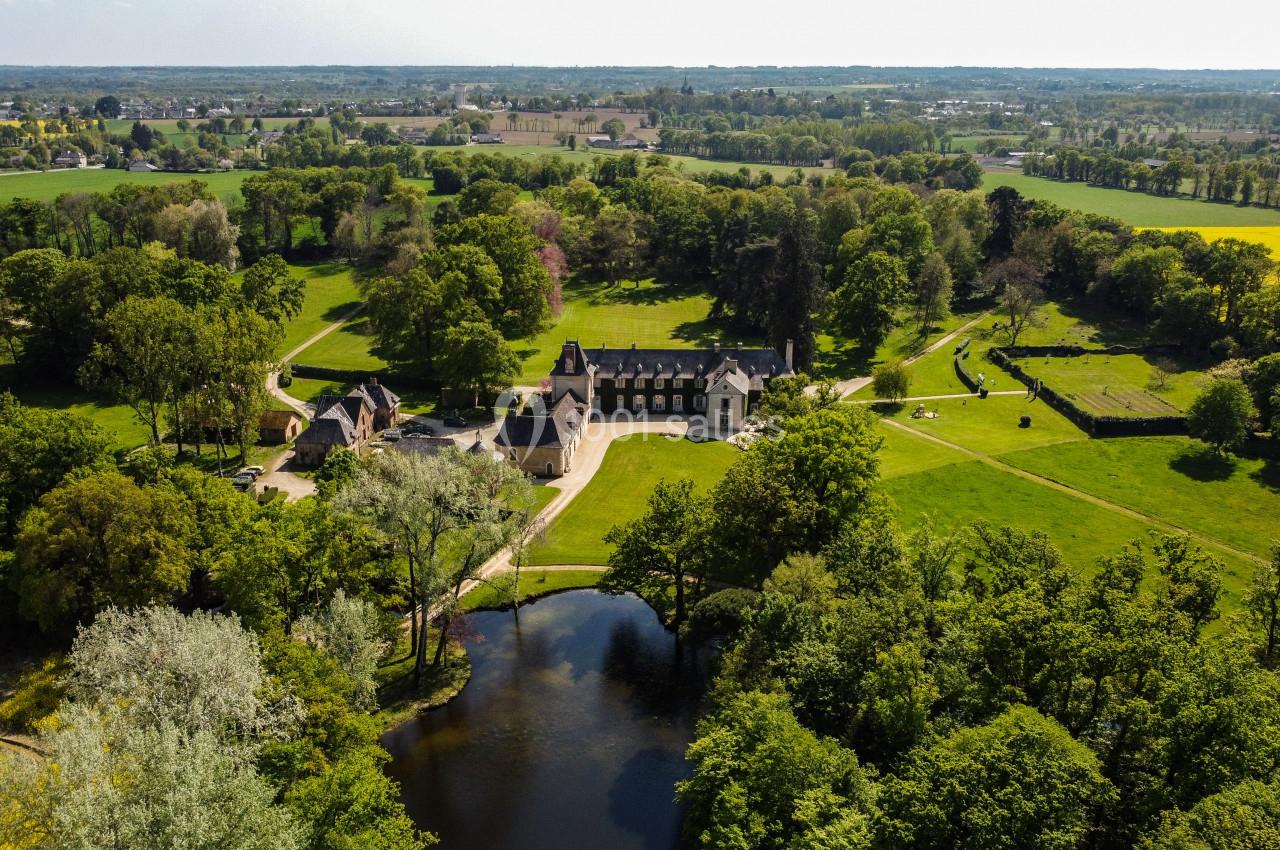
[(571, 733)]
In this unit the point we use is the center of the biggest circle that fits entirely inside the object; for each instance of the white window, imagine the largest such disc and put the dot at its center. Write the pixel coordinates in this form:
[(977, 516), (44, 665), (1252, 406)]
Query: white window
[(659, 402), (677, 382), (698, 383), (659, 383), (699, 402), (622, 402), (622, 383), (639, 383), (677, 403), (637, 402)]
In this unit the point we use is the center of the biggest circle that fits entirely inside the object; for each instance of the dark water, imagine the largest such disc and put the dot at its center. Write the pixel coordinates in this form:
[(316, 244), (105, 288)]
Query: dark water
[(570, 734)]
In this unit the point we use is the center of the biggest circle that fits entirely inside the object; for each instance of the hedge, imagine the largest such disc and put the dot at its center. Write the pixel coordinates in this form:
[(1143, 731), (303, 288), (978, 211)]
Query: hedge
[(1090, 423), (961, 372), (361, 376)]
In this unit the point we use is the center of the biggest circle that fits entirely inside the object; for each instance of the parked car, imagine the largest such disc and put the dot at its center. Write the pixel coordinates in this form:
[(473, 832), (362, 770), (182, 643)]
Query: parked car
[(453, 420), (243, 481), (392, 434), (417, 429), (255, 471)]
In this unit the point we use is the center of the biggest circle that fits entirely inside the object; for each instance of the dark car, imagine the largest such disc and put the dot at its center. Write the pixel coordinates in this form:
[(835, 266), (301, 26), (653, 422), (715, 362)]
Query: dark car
[(453, 420)]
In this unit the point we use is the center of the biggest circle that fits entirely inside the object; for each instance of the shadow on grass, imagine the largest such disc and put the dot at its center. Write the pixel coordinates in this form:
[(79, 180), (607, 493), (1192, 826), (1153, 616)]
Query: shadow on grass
[(705, 331), (1204, 464), (337, 311)]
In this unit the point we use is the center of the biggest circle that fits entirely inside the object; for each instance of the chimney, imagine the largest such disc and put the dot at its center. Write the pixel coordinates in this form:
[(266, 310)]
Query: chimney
[(633, 346), (715, 345), (739, 346), (791, 350), (374, 380), (731, 366), (570, 358)]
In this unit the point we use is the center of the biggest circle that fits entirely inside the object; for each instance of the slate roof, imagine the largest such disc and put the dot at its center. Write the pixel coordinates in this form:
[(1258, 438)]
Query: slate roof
[(332, 427), (554, 429), (350, 403), (380, 396), (757, 363)]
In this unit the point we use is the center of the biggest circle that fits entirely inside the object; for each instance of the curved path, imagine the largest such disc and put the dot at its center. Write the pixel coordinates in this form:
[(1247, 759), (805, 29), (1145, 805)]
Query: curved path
[(586, 462), (303, 408), (852, 385), (278, 474)]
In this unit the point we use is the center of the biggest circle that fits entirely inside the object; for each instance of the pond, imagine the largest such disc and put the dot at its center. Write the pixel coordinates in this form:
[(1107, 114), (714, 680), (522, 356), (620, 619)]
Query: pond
[(570, 734)]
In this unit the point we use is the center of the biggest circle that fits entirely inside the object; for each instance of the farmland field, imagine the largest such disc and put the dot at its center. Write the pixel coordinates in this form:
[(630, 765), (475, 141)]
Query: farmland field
[(47, 185), (1269, 236), (1135, 208)]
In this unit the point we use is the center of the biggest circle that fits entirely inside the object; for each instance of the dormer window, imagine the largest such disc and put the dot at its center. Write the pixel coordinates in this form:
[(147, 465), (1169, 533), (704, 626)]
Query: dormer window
[(658, 383), (677, 383)]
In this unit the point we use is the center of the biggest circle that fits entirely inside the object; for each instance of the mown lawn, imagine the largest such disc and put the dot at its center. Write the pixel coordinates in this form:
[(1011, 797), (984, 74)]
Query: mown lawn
[(586, 155), (117, 419), (991, 425), (650, 314), (533, 583), (331, 294), (47, 185), (1135, 208), (1235, 500), (840, 358), (1103, 384), (346, 348), (620, 490), (1056, 324)]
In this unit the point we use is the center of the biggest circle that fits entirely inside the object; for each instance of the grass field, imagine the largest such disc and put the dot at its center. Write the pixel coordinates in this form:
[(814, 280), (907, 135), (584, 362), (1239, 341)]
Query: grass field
[(1117, 385), (838, 358), (1162, 476), (991, 425), (1058, 323), (117, 419), (533, 583), (649, 314), (345, 348), (1235, 500), (620, 489), (1136, 208), (1269, 236), (47, 185), (331, 294)]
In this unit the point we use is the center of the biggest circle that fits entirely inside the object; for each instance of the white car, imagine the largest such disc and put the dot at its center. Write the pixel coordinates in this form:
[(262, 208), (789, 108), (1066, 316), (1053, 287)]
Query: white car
[(255, 471)]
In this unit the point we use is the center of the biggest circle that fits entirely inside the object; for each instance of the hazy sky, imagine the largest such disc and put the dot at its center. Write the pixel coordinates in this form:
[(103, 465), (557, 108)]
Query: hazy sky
[(1078, 33)]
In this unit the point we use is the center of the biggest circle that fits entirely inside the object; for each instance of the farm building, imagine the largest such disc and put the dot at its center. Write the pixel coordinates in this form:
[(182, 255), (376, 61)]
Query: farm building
[(279, 426), (142, 165), (487, 138), (348, 421)]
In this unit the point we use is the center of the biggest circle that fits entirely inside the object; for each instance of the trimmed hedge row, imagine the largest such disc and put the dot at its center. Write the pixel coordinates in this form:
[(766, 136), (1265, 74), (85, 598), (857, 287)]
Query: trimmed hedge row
[(961, 372), (1090, 423)]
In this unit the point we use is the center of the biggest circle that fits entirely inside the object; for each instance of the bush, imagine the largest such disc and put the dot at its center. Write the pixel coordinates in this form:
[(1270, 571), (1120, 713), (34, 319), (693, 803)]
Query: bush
[(891, 381)]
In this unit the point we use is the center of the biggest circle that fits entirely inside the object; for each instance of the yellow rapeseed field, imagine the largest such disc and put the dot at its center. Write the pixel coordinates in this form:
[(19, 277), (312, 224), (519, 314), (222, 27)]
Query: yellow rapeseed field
[(1269, 236)]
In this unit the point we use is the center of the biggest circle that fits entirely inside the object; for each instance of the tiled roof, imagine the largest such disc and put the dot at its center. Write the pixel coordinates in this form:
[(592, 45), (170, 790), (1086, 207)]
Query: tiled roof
[(380, 396)]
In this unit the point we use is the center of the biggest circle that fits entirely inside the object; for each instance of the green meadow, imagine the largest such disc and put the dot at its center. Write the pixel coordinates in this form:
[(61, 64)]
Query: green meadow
[(1134, 208), (47, 185)]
